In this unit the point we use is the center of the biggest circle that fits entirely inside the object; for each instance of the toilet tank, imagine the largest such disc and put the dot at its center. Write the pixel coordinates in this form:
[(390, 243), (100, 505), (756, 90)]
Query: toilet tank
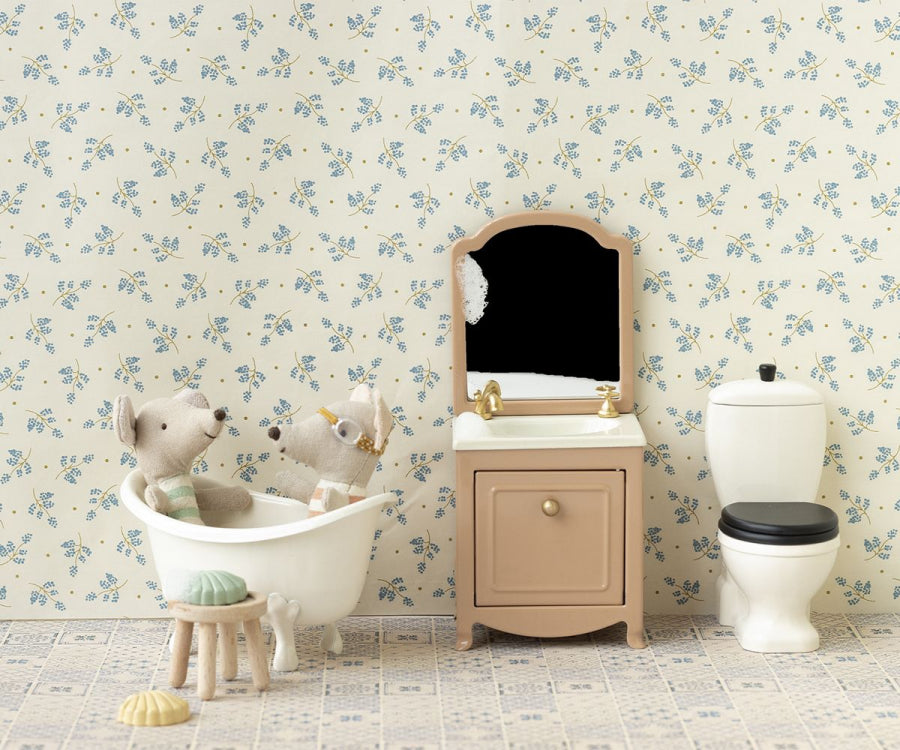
[(765, 441)]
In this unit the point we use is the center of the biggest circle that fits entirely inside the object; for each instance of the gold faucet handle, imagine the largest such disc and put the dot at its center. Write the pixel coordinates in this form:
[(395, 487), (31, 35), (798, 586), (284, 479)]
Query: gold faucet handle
[(607, 393), (492, 386), (488, 400)]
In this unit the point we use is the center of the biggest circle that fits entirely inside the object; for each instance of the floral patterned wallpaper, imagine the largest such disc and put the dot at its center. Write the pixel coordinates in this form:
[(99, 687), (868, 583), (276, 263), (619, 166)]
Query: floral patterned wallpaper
[(257, 199)]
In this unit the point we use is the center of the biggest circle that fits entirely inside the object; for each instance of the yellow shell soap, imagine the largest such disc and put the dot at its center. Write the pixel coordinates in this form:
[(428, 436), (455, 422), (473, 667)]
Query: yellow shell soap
[(153, 708)]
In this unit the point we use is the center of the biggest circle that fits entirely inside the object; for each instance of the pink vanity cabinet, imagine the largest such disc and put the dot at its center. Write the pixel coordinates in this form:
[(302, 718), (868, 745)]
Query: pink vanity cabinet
[(549, 502), (549, 542)]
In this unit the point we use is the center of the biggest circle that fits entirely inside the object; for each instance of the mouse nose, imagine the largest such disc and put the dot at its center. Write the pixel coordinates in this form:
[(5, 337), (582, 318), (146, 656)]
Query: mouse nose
[(274, 433), (219, 414)]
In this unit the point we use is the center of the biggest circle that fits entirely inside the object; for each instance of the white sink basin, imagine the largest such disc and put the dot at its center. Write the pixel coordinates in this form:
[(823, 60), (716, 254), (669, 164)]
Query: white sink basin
[(550, 426), (471, 432)]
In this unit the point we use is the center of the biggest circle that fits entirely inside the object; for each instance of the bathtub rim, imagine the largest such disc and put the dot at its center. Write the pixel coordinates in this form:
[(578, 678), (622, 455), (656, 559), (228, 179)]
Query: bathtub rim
[(132, 488)]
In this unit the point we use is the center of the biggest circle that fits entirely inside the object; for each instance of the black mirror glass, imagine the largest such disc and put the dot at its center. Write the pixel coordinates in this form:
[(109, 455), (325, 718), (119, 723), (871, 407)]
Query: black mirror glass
[(548, 325)]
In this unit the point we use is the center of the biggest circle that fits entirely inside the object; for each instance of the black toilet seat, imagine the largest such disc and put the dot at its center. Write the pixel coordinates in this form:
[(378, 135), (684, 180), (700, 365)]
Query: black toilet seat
[(785, 523)]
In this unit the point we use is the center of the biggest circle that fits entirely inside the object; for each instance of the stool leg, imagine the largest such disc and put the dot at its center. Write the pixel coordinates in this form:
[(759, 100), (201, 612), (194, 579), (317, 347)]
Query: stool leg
[(181, 650), (259, 666), (206, 661), (228, 649)]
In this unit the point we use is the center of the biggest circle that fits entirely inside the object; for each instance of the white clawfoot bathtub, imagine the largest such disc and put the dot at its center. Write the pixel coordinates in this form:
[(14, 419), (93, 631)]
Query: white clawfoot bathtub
[(313, 569)]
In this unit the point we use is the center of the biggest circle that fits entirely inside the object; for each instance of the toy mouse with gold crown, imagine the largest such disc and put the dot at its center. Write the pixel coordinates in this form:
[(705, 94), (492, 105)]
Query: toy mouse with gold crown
[(342, 442)]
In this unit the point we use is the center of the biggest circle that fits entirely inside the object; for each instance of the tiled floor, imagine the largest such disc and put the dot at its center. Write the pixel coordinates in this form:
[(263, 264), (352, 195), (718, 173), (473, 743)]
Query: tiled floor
[(401, 684)]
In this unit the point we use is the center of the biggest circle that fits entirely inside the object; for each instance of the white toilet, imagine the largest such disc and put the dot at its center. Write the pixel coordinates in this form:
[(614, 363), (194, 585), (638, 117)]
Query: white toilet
[(765, 440)]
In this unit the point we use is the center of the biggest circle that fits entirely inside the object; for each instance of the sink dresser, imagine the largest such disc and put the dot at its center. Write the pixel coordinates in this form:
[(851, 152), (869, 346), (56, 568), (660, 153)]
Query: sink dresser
[(549, 511)]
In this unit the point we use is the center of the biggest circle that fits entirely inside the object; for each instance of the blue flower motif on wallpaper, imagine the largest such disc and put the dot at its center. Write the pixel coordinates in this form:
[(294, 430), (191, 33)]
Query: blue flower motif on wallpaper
[(46, 594)]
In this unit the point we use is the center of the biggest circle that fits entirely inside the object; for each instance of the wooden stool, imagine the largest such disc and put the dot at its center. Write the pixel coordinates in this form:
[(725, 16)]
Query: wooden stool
[(226, 616)]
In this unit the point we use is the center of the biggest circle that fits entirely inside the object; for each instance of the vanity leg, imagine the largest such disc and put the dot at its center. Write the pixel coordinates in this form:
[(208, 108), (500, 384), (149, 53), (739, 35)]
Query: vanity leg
[(634, 634), (463, 636)]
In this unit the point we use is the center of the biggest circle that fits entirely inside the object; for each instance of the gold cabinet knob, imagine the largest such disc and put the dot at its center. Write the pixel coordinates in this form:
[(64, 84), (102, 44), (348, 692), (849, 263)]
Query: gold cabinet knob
[(550, 507)]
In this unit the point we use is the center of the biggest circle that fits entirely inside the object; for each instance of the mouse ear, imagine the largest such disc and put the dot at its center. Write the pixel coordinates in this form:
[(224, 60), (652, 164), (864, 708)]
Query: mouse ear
[(362, 392), (194, 398), (384, 420), (124, 421)]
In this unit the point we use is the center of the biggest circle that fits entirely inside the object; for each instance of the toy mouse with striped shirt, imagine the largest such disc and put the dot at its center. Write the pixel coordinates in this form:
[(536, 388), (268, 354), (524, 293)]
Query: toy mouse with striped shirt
[(342, 442), (167, 434)]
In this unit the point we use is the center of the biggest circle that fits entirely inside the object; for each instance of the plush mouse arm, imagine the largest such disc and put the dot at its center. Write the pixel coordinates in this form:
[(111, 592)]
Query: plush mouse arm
[(291, 485), (223, 498), (156, 499), (207, 498), (331, 498)]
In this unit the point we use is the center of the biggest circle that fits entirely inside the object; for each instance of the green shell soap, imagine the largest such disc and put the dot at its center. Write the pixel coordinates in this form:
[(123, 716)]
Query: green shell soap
[(206, 587)]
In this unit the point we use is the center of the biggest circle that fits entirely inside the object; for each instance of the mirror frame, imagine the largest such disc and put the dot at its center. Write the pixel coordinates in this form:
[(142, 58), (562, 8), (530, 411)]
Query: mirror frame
[(473, 243)]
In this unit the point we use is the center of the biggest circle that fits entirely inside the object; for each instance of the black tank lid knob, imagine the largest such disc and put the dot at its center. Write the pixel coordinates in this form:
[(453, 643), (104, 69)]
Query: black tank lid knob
[(767, 372)]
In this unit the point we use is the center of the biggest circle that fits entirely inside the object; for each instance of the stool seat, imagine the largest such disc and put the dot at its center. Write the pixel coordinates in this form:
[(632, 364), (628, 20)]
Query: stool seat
[(253, 607), (226, 617), (779, 523)]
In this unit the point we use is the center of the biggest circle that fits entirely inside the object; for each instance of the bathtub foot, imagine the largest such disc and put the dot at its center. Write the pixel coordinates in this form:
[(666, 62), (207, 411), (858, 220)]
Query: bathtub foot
[(281, 616), (331, 640)]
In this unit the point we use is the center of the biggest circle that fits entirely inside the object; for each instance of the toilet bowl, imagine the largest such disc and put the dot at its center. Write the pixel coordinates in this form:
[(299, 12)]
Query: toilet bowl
[(765, 440), (777, 555)]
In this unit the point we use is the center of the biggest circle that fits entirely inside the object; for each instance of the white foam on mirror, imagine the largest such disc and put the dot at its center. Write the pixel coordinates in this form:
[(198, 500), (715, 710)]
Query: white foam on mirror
[(474, 288)]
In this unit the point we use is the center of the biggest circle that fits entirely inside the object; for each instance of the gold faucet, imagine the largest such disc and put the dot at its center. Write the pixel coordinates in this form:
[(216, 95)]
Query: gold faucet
[(607, 393), (488, 401)]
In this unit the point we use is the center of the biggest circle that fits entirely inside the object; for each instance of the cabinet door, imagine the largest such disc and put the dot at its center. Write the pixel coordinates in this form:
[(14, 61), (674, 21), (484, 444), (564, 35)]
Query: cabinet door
[(568, 551)]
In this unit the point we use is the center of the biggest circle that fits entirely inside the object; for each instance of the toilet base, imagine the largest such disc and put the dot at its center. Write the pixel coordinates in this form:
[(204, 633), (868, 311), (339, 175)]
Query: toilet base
[(776, 635), (732, 603), (767, 590), (763, 633)]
